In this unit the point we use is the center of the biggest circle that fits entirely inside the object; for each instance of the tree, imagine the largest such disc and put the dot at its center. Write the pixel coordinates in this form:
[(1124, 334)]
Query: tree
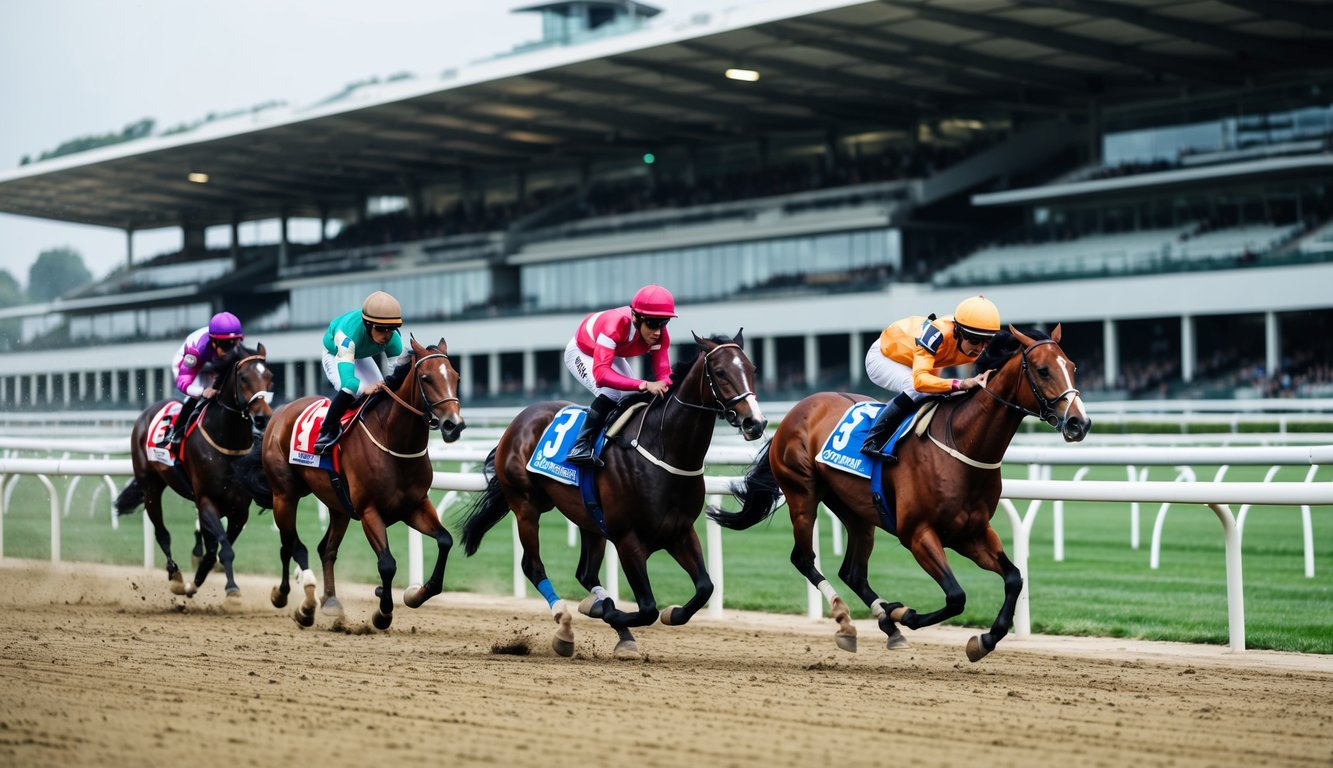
[(55, 273), (10, 296)]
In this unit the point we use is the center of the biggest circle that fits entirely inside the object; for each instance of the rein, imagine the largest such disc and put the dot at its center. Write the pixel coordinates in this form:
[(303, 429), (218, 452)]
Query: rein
[(242, 410), (427, 415), (719, 411), (1047, 412)]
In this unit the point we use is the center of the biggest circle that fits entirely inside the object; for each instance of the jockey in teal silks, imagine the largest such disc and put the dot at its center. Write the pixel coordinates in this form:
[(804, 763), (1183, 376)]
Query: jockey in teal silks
[(350, 345)]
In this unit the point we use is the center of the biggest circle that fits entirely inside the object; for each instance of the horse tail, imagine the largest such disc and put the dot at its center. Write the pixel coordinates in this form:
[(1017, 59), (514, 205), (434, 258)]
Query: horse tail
[(249, 472), (129, 499), (758, 493), (485, 511)]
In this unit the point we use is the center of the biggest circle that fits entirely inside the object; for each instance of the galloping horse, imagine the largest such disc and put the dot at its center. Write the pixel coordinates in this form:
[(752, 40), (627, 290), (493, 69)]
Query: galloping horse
[(383, 457), (651, 490), (942, 493), (224, 431)]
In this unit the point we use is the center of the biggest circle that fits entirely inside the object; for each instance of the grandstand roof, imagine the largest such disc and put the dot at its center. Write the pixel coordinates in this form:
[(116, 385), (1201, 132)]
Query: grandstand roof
[(825, 65)]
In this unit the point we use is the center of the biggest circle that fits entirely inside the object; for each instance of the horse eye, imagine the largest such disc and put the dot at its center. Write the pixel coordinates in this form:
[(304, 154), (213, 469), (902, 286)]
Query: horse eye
[(721, 373), (1044, 371)]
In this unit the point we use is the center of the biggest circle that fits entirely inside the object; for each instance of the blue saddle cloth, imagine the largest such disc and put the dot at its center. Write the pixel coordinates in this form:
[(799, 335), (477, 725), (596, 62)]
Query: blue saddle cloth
[(842, 448), (551, 458)]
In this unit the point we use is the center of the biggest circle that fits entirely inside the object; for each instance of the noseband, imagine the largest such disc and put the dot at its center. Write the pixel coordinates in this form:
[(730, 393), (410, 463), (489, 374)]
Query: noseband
[(239, 408), (1047, 412)]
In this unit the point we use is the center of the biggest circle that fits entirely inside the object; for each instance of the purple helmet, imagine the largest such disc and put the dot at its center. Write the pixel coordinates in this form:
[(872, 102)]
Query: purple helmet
[(225, 325)]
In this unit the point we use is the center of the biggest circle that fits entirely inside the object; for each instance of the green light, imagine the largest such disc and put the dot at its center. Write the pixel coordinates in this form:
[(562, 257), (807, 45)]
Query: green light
[(649, 158)]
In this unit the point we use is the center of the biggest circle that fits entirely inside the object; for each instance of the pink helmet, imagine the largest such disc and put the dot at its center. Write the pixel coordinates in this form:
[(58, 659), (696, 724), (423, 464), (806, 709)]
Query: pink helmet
[(225, 325), (654, 301)]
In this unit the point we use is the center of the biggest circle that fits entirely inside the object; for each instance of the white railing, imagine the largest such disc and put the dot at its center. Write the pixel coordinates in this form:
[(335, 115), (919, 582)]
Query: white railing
[(1218, 496)]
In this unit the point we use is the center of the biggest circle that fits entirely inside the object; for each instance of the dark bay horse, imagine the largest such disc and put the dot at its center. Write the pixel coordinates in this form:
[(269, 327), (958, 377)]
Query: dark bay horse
[(942, 492), (224, 431), (651, 490), (382, 455)]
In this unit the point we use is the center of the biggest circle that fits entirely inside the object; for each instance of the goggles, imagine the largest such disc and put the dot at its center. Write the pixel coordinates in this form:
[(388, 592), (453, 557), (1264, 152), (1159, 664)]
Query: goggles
[(973, 338), (656, 323), (382, 328)]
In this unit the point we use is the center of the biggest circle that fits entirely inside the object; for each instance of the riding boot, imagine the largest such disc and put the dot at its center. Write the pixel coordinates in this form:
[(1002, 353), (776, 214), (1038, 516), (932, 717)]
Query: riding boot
[(328, 432), (582, 452), (177, 431), (884, 426)]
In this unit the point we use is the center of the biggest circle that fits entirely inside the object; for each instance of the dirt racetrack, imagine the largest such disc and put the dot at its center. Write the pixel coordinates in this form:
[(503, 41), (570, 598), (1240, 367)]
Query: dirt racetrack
[(102, 666)]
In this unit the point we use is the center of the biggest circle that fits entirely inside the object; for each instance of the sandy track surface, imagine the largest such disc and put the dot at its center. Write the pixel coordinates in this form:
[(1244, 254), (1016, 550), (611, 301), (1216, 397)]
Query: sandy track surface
[(102, 666)]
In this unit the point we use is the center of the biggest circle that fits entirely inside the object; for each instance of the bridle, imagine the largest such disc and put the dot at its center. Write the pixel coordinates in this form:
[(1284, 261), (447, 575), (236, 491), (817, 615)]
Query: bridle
[(725, 407), (1047, 406), (243, 409), (427, 412)]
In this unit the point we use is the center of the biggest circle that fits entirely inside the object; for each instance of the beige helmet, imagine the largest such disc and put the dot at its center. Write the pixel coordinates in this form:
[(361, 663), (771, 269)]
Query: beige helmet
[(380, 308)]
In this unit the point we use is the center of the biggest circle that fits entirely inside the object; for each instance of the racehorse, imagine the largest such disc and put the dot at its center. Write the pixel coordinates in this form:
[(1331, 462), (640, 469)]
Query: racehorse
[(382, 455), (942, 492), (225, 429), (651, 490)]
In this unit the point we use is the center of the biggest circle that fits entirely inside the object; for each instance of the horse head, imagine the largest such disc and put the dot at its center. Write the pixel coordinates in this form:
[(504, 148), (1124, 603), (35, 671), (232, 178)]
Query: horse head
[(1050, 377), (247, 385), (434, 377), (728, 378)]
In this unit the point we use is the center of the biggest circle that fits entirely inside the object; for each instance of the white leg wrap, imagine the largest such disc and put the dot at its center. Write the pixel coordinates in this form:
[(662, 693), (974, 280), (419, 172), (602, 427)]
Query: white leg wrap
[(878, 608), (826, 589), (599, 593), (307, 578), (557, 608)]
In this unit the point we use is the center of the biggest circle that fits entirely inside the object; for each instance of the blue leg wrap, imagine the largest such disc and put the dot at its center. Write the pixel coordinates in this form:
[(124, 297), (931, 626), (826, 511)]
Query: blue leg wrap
[(548, 591)]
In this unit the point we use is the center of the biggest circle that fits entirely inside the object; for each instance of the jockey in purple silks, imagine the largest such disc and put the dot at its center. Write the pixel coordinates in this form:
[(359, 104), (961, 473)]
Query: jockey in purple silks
[(203, 346)]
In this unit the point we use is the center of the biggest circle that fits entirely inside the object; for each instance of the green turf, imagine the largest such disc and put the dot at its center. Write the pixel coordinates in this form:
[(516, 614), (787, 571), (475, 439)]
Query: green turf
[(1103, 587)]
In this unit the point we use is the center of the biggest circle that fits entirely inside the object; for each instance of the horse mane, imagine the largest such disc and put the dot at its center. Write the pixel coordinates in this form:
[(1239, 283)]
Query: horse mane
[(1003, 346), (682, 367), (221, 365)]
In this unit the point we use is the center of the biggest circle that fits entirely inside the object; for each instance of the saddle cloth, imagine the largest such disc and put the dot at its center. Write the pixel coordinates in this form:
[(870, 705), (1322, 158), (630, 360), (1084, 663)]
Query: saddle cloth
[(157, 432), (306, 430), (842, 448), (549, 458)]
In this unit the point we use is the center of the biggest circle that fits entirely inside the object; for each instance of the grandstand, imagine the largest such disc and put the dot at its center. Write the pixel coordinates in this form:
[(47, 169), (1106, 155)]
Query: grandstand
[(1153, 176)]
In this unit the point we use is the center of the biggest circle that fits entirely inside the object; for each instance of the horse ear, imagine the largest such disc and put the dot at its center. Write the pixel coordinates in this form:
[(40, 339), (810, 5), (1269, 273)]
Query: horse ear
[(697, 340), (737, 340), (417, 348), (1055, 334), (260, 351), (1023, 339), (443, 346)]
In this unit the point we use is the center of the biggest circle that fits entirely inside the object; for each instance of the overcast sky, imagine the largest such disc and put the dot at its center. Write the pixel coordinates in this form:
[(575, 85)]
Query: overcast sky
[(71, 68)]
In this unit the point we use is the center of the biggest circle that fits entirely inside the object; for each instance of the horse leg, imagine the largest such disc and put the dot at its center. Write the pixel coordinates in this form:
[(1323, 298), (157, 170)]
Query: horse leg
[(426, 520), (328, 546), (689, 554), (855, 574), (210, 525), (929, 553), (804, 509), (988, 553), (634, 563), (591, 554), (236, 521), (528, 518), (290, 546), (197, 553), (378, 536), (152, 506)]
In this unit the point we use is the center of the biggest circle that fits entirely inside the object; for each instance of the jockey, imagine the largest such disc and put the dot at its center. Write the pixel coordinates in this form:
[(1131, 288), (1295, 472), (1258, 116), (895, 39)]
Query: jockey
[(597, 358), (909, 355), (205, 345), (350, 345)]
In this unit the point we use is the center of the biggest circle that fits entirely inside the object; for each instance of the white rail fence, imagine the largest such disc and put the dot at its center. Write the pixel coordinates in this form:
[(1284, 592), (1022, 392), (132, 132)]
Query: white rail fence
[(1218, 495)]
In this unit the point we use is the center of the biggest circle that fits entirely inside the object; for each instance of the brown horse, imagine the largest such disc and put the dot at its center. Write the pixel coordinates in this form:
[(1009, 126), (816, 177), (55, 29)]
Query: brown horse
[(382, 455), (942, 493), (651, 490), (225, 430)]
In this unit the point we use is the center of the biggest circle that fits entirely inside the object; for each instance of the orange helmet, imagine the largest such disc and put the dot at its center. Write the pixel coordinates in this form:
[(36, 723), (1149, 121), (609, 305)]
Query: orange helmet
[(977, 316), (654, 301)]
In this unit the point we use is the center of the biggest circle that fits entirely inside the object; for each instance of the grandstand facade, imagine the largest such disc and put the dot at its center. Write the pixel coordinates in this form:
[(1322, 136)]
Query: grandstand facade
[(1156, 178)]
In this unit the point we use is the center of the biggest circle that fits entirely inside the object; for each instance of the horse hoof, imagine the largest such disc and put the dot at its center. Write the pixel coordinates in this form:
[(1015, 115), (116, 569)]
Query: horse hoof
[(176, 583), (414, 596), (561, 646), (303, 618), (897, 642), (668, 616), (191, 588), (278, 598), (232, 602), (845, 642), (591, 607), (331, 607), (626, 650), (381, 620), (976, 650)]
